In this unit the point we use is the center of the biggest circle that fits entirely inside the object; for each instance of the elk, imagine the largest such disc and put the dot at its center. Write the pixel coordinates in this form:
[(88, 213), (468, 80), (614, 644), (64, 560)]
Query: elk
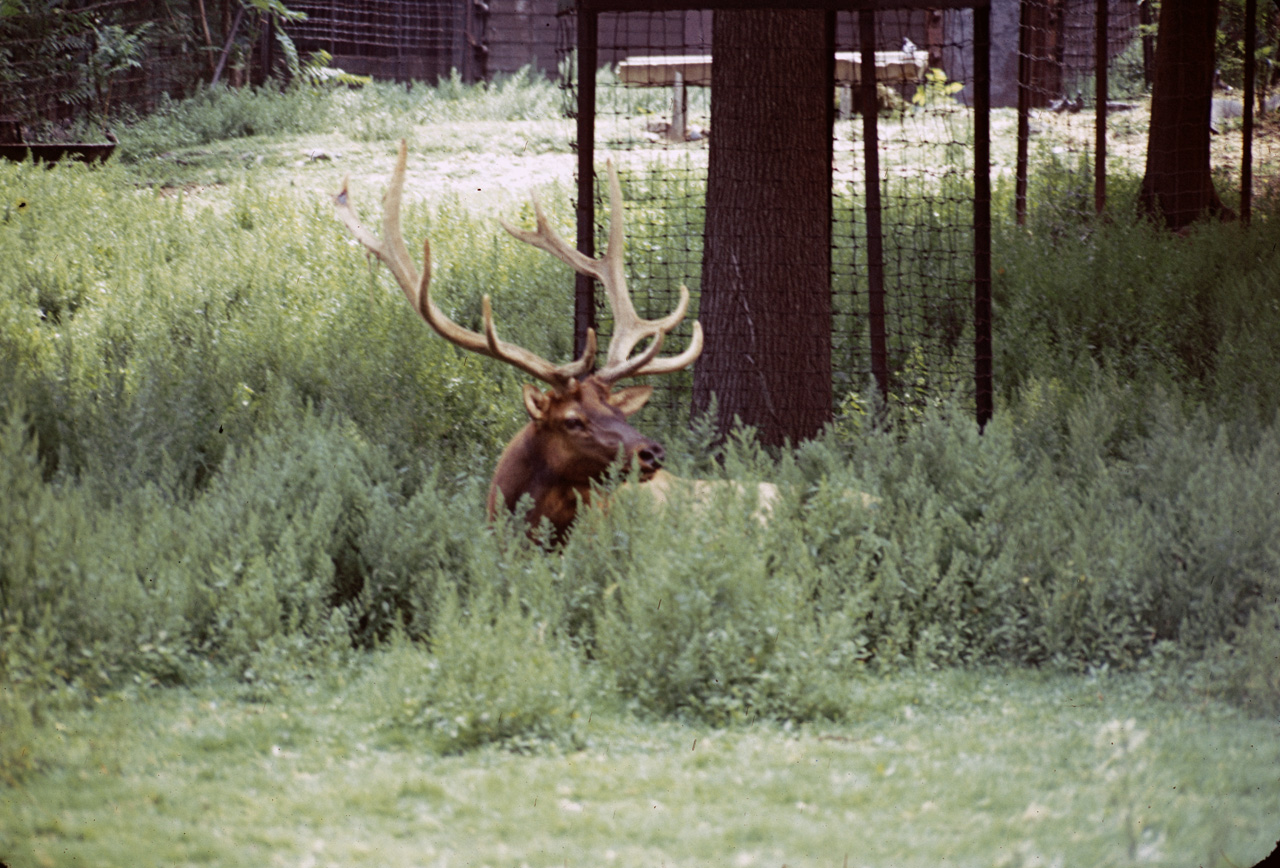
[(578, 427)]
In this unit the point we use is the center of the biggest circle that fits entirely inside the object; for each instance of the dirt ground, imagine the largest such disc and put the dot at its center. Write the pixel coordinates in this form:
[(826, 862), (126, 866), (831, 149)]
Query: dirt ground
[(495, 167)]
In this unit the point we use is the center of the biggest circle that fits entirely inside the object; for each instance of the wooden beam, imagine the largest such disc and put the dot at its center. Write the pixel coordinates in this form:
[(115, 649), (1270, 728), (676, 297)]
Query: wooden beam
[(830, 5)]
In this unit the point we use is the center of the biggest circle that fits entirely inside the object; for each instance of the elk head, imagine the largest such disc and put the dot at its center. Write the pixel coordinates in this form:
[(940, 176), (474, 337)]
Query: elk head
[(578, 426)]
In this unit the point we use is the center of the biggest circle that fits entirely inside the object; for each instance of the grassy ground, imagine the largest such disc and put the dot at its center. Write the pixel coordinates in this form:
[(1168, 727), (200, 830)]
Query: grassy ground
[(485, 163), (958, 768)]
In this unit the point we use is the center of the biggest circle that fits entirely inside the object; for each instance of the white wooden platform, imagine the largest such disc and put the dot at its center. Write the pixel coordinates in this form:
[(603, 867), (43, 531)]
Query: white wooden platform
[(892, 67)]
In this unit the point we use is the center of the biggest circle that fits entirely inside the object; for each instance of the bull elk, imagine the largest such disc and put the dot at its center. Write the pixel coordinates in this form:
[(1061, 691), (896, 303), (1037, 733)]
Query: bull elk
[(577, 427)]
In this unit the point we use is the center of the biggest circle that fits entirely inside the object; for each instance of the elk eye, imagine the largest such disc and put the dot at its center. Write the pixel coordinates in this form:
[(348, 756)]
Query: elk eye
[(574, 423)]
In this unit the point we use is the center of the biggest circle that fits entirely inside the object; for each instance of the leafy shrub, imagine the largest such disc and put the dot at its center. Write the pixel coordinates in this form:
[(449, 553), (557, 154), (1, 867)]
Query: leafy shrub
[(1123, 298), (526, 94), (409, 554), (1252, 660), (494, 674), (31, 685), (377, 111), (230, 447), (17, 753), (706, 617), (272, 540), (218, 113), (147, 352)]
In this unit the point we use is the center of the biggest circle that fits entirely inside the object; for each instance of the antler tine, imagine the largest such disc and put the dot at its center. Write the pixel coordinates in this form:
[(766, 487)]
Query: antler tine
[(391, 250), (629, 328)]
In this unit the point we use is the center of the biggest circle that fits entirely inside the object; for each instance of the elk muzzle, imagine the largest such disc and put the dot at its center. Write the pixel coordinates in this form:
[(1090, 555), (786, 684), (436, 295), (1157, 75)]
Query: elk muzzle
[(648, 458)]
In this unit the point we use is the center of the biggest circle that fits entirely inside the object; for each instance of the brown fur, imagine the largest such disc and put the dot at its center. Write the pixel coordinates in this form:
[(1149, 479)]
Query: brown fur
[(663, 486), (573, 436)]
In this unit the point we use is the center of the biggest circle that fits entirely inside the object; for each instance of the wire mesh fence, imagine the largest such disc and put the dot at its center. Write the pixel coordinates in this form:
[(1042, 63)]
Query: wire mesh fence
[(75, 64), (902, 267), (62, 64), (927, 135), (906, 251), (403, 40), (1086, 69), (1079, 61)]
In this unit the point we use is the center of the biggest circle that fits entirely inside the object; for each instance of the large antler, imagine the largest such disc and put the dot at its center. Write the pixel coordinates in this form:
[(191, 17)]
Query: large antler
[(417, 288), (628, 329)]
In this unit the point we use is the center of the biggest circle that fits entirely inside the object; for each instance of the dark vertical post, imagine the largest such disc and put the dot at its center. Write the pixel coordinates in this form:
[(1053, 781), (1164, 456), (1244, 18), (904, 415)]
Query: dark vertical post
[(984, 390), (1024, 111), (1147, 21), (266, 52), (1246, 158), (1100, 106), (871, 166), (584, 303), (830, 85), (832, 113)]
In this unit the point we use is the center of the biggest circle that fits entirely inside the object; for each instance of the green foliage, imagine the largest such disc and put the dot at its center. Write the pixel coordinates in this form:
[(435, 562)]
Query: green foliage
[(229, 448), (494, 673), (410, 552), (116, 50), (1229, 51), (199, 412), (17, 752), (320, 102), (217, 113), (145, 353), (1074, 296), (707, 619), (1251, 661), (316, 69), (69, 586), (46, 40), (936, 89)]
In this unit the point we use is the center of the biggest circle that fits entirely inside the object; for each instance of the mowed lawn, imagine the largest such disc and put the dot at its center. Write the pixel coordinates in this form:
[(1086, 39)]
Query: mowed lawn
[(984, 767)]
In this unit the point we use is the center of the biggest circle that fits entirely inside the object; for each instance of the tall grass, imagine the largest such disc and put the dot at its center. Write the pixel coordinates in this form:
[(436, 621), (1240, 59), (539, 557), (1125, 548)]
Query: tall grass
[(1076, 298), (227, 446), (376, 111)]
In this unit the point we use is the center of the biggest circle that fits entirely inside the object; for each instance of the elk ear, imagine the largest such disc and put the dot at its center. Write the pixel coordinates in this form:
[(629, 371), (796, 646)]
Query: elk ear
[(630, 399), (535, 402)]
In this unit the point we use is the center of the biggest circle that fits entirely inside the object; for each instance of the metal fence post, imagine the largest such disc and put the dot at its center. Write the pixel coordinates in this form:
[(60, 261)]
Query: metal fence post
[(584, 305), (984, 391)]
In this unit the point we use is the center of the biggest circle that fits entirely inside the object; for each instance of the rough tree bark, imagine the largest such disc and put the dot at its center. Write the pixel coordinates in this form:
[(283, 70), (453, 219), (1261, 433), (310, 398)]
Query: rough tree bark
[(1178, 185), (766, 303)]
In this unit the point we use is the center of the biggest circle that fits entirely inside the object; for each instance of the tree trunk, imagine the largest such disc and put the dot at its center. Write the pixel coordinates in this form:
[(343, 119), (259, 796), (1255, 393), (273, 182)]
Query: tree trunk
[(766, 297), (1178, 184)]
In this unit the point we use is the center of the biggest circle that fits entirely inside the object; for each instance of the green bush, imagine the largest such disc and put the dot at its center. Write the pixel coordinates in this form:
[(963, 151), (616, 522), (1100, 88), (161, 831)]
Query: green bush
[(1252, 660), (145, 353), (67, 577), (698, 611), (408, 554), (229, 447), (693, 624), (493, 674), (218, 113), (377, 111), (1122, 297)]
